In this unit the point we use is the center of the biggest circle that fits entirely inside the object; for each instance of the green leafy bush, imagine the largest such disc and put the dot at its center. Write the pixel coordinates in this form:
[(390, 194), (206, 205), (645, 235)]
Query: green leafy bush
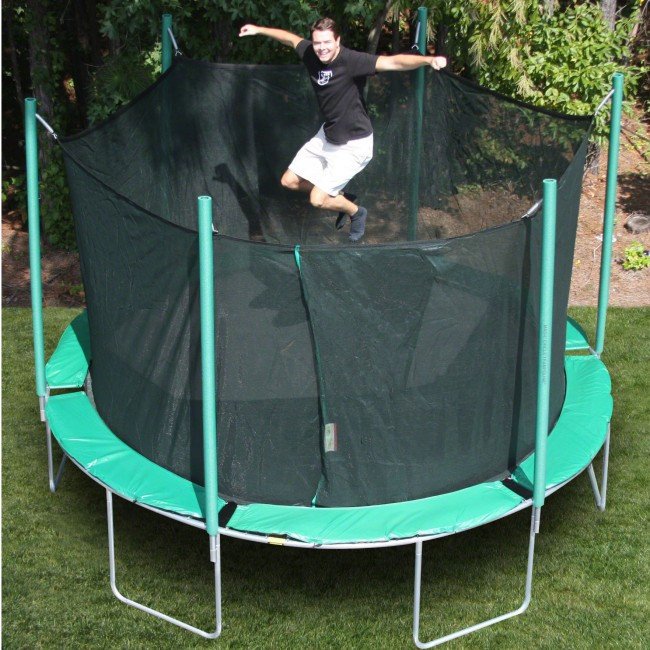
[(636, 257), (562, 62), (14, 196), (120, 79), (56, 214)]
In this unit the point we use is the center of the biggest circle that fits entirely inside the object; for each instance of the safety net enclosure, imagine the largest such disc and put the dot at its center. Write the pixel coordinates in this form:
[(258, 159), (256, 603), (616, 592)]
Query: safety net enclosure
[(348, 375)]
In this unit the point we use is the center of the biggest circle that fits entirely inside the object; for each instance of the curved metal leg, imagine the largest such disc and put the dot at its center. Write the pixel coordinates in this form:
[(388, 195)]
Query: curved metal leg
[(534, 527), (41, 408), (215, 557), (600, 496), (54, 481)]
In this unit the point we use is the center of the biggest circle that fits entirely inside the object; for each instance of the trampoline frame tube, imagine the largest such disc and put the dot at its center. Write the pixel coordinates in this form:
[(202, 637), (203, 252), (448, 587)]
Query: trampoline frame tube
[(600, 494), (610, 209), (545, 339), (541, 431), (35, 279), (34, 220), (53, 480), (414, 202), (208, 364), (166, 43)]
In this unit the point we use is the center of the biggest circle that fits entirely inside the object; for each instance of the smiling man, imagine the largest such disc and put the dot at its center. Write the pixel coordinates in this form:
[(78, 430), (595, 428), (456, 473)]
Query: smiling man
[(343, 145)]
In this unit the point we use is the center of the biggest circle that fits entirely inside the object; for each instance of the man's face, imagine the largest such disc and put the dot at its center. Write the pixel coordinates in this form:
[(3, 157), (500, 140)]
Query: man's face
[(326, 45)]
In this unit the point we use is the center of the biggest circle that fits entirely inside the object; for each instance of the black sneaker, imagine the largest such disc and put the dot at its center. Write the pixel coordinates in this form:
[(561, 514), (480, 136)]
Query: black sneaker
[(358, 224), (340, 221)]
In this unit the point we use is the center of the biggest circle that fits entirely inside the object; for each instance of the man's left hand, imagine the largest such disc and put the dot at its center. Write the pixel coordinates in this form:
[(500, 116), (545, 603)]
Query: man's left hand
[(438, 62)]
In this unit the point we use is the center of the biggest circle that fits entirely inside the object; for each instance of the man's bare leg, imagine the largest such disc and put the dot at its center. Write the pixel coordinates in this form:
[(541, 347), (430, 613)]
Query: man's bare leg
[(338, 203), (294, 182), (320, 199)]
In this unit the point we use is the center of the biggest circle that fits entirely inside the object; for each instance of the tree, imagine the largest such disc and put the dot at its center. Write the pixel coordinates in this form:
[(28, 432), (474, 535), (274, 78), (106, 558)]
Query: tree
[(375, 31), (609, 12)]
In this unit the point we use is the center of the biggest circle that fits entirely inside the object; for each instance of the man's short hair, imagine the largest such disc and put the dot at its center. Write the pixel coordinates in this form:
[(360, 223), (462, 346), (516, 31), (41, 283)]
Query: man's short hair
[(324, 24)]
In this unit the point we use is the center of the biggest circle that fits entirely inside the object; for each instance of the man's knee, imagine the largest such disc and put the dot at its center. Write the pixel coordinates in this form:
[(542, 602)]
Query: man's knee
[(317, 198), (290, 180)]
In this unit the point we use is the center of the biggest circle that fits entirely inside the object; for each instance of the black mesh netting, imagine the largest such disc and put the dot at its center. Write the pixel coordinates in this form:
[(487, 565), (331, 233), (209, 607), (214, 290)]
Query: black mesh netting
[(347, 374)]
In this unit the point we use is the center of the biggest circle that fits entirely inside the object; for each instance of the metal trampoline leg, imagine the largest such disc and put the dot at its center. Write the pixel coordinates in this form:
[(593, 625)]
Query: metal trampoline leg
[(54, 481), (534, 528), (215, 557), (600, 495), (41, 408)]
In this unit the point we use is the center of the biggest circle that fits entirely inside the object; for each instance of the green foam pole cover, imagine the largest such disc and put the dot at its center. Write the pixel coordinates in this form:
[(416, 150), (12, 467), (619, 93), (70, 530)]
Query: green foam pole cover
[(545, 339), (166, 42), (414, 202), (34, 220), (610, 209), (208, 365)]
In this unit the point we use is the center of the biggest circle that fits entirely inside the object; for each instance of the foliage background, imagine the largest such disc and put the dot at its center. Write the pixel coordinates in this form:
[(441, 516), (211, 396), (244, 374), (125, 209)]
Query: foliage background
[(82, 59)]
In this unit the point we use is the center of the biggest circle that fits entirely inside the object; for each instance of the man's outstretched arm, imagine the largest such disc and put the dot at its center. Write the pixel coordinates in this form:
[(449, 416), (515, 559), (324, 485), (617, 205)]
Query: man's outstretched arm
[(284, 37), (398, 62)]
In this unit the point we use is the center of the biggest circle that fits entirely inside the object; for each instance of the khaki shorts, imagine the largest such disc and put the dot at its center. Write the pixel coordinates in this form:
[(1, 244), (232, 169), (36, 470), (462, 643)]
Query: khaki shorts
[(330, 167)]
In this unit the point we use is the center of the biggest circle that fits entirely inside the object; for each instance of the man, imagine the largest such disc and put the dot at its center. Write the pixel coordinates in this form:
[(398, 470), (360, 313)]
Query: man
[(343, 145)]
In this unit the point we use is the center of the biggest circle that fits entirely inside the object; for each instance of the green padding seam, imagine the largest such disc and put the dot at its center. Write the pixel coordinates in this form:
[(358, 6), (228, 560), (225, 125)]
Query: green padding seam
[(83, 435), (582, 426), (68, 366), (576, 339), (575, 440)]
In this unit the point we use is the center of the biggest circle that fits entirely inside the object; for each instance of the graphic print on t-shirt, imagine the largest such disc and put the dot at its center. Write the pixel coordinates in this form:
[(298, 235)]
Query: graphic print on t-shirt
[(323, 77)]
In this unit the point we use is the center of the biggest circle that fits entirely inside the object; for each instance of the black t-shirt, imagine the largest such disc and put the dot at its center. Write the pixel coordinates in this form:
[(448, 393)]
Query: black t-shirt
[(339, 89)]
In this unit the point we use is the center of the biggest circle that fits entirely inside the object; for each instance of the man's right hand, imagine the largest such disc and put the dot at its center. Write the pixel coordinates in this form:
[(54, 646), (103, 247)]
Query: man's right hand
[(249, 30), (284, 37)]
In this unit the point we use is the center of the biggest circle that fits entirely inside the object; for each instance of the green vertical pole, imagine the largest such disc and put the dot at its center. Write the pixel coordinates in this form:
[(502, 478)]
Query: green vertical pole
[(610, 209), (34, 220), (208, 366), (166, 42), (414, 201), (545, 339)]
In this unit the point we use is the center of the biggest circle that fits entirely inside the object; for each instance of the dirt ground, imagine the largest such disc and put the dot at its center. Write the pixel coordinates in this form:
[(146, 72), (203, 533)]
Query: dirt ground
[(62, 284), (627, 288)]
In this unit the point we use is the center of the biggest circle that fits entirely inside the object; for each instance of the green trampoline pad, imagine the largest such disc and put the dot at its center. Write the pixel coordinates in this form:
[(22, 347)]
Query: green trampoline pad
[(576, 339), (581, 428), (576, 438), (84, 437), (68, 366)]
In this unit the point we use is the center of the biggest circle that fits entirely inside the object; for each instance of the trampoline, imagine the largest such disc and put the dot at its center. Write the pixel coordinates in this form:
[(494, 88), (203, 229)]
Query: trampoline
[(257, 376)]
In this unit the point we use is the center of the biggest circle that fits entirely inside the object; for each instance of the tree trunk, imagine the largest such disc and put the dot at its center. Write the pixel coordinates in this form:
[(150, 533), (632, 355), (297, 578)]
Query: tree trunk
[(395, 36), (609, 12), (338, 15), (83, 32), (38, 57), (15, 68), (223, 39), (441, 40), (40, 76), (92, 29), (375, 32)]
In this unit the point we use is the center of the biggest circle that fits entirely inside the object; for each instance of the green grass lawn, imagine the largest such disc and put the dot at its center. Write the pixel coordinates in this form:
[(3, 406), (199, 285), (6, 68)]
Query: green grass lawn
[(591, 583)]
